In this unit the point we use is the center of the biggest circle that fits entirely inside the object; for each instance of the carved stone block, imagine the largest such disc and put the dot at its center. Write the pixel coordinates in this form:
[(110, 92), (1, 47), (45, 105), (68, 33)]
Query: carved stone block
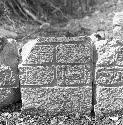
[(109, 77), (73, 99), (8, 77), (109, 99)]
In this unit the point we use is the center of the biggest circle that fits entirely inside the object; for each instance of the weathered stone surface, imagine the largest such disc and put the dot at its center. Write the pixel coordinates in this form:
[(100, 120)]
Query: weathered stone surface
[(36, 75), (64, 54), (110, 54), (8, 77), (66, 75), (109, 80), (106, 56), (109, 76), (73, 53), (73, 99), (58, 61), (40, 54), (109, 99), (60, 50), (60, 64), (76, 75)]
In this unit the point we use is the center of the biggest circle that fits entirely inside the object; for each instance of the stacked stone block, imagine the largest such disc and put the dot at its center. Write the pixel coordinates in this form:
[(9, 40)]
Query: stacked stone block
[(109, 80), (9, 78), (58, 74)]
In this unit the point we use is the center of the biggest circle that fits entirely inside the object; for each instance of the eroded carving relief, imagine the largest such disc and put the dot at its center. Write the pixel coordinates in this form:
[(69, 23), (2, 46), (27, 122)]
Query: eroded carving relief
[(59, 61)]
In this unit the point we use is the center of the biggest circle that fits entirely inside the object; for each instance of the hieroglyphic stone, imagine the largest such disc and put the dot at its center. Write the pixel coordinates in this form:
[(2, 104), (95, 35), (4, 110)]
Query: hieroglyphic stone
[(109, 81), (37, 75), (8, 77), (59, 53), (65, 53), (73, 99), (72, 53), (106, 57), (112, 76), (66, 75), (40, 54), (76, 75), (45, 66)]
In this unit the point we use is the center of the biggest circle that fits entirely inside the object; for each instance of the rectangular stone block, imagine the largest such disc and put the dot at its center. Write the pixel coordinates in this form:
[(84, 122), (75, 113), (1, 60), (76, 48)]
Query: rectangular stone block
[(73, 99), (40, 54), (8, 77), (109, 99), (64, 75), (73, 53), (37, 75), (58, 61), (109, 76), (74, 75), (60, 50)]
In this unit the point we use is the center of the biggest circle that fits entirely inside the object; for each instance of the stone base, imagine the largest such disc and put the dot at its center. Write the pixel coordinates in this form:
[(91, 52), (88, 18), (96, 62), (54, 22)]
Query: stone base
[(55, 98), (109, 100)]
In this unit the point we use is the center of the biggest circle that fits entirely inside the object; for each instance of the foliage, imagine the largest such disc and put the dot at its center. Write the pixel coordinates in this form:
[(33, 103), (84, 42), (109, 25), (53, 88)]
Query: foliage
[(40, 10)]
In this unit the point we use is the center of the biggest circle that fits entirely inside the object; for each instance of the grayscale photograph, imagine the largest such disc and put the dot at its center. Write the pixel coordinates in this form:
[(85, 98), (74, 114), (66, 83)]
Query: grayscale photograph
[(61, 62)]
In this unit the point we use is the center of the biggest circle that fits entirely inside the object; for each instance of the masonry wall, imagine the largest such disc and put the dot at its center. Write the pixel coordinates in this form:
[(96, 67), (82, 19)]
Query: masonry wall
[(109, 80), (58, 75)]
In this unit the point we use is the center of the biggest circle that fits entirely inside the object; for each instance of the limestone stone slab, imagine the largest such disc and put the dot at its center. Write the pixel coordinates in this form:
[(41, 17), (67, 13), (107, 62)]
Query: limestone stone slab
[(73, 99), (60, 50), (106, 56), (109, 99), (64, 53), (111, 55), (73, 53), (61, 75), (58, 61), (109, 76), (36, 75), (8, 77), (76, 75), (40, 54)]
